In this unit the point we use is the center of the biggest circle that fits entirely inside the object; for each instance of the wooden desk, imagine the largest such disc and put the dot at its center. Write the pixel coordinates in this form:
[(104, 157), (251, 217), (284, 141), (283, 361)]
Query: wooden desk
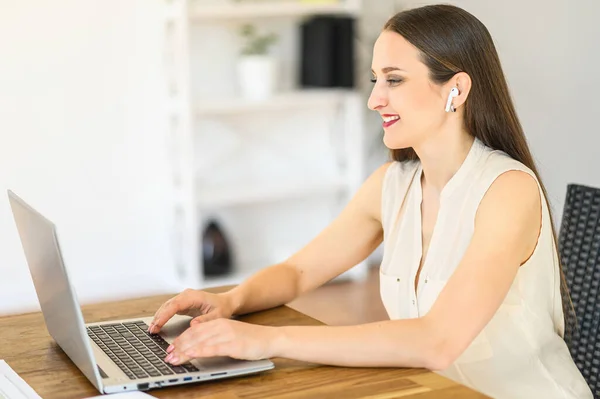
[(31, 352)]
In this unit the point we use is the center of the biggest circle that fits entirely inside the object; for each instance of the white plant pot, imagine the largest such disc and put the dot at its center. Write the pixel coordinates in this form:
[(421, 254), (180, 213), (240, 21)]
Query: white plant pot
[(257, 76)]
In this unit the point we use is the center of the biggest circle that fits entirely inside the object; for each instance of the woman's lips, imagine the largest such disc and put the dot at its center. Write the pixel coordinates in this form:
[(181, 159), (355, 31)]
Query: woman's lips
[(389, 120)]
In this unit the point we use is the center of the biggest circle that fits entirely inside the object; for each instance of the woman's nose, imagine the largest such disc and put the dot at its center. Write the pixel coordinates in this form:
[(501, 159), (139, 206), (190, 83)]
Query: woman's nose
[(377, 99)]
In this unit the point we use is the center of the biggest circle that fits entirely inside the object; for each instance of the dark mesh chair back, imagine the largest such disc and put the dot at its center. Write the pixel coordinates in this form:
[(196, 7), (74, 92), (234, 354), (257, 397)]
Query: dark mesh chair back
[(579, 248)]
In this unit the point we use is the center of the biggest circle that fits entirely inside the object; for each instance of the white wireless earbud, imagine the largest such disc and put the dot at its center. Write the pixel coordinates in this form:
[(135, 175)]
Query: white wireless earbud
[(449, 106)]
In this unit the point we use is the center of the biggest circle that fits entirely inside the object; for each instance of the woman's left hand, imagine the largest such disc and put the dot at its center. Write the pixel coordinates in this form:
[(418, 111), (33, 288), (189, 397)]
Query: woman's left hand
[(223, 337)]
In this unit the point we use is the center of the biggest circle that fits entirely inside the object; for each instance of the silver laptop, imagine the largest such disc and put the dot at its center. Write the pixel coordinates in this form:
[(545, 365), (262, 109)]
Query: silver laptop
[(115, 356)]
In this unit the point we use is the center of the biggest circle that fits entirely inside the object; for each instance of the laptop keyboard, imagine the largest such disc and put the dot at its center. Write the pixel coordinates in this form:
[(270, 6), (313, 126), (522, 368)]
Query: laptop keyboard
[(138, 353)]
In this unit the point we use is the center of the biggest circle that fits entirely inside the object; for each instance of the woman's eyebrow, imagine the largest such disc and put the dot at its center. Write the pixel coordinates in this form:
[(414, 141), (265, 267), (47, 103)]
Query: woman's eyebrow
[(389, 69)]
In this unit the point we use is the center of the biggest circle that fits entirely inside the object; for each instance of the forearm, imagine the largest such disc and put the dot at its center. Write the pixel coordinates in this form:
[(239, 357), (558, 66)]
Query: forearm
[(398, 343), (270, 287)]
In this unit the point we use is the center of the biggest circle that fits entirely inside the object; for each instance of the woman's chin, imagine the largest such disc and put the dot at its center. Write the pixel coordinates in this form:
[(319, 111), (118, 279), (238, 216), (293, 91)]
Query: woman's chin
[(393, 142)]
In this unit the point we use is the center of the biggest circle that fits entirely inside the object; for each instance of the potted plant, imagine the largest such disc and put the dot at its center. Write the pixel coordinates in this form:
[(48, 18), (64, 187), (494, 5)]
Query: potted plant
[(257, 69)]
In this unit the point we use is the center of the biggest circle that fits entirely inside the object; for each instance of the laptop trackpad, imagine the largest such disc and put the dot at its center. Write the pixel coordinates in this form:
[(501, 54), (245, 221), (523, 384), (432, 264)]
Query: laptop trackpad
[(175, 327)]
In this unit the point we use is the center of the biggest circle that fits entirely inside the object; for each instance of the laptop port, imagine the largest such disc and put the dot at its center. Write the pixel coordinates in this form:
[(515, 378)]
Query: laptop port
[(187, 378), (215, 374), (175, 380), (144, 386)]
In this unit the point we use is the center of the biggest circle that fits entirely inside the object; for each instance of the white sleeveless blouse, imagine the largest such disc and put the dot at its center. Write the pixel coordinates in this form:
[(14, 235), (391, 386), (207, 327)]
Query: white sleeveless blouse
[(520, 353)]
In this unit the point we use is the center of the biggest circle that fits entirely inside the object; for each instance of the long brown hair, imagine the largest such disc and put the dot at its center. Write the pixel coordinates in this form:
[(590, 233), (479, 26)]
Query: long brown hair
[(452, 40)]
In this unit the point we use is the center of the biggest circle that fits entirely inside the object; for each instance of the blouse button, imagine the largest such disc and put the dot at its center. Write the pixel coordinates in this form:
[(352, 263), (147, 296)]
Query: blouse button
[(398, 279), (413, 301)]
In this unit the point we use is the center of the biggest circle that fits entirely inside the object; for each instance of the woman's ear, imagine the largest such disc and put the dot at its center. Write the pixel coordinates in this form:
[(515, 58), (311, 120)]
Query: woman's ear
[(462, 81)]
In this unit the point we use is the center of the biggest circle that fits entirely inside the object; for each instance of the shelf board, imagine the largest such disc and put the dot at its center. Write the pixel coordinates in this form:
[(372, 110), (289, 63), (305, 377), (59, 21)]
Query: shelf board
[(244, 193), (309, 98), (234, 278), (357, 273), (271, 9)]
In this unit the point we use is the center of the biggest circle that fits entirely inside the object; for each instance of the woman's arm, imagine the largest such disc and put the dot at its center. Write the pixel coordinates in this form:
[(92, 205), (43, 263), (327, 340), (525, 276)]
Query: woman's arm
[(506, 231), (352, 236), (507, 227), (349, 239)]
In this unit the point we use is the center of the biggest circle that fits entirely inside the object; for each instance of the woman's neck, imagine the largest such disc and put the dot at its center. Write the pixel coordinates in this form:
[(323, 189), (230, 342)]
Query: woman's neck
[(442, 157)]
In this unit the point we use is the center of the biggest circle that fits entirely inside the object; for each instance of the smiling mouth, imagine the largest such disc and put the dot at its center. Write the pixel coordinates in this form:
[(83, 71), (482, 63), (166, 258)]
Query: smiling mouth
[(389, 120)]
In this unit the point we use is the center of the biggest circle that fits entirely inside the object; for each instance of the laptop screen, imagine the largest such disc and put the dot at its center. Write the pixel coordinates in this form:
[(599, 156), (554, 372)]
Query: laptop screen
[(57, 297)]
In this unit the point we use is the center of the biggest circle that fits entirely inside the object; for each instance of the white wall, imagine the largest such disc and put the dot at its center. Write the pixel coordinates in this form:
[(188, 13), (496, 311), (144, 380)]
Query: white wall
[(82, 131)]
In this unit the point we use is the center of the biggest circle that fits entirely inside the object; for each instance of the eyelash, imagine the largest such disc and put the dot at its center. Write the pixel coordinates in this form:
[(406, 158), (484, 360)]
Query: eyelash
[(391, 82)]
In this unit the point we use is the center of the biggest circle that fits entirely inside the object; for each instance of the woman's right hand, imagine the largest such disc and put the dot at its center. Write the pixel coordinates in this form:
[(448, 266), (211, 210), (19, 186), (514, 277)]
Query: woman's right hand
[(201, 305)]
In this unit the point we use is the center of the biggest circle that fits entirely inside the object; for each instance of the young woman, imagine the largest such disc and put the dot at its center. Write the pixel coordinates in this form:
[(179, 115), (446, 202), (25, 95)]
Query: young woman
[(470, 276)]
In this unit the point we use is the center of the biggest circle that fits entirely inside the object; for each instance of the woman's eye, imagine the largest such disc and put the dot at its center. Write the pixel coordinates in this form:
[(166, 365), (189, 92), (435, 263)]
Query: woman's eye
[(393, 82), (390, 81)]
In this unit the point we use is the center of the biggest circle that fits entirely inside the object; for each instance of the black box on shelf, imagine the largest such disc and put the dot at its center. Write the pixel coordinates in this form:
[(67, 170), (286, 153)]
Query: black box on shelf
[(327, 52)]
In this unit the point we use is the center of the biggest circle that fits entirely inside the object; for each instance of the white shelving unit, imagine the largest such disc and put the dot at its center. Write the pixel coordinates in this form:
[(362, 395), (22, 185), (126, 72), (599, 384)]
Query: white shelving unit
[(308, 98), (243, 193), (223, 148)]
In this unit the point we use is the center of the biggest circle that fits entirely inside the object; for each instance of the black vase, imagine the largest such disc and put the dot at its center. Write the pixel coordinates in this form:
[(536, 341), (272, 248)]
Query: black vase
[(216, 253)]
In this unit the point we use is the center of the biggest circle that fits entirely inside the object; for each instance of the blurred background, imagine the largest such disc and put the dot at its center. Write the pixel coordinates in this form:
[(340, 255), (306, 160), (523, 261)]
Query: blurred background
[(190, 143)]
